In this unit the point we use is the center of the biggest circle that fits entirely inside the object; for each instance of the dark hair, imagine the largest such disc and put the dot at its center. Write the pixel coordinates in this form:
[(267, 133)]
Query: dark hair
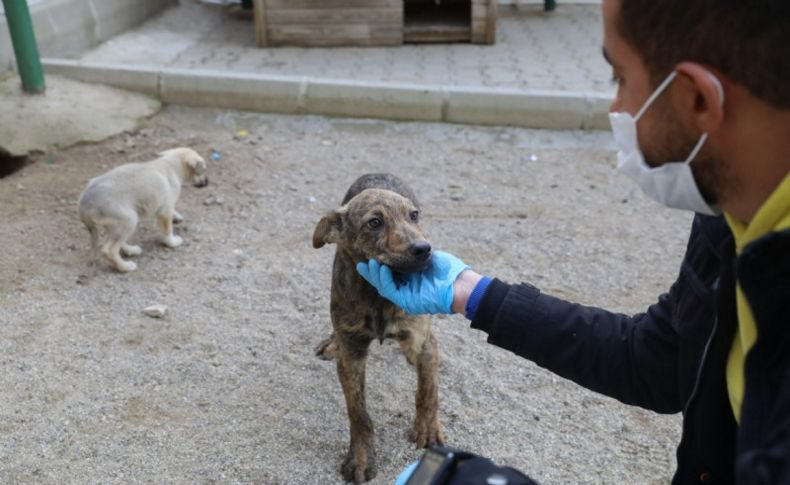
[(747, 40)]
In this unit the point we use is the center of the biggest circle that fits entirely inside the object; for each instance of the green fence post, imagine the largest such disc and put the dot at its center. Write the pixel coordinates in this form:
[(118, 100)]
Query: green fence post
[(549, 5), (20, 26)]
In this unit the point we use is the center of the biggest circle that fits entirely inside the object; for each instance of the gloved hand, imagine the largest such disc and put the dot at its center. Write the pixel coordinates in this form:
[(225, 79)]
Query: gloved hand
[(430, 291), (406, 473)]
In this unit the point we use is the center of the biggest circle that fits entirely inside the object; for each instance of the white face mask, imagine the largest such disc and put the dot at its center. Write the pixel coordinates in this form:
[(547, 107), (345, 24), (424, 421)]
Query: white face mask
[(671, 184)]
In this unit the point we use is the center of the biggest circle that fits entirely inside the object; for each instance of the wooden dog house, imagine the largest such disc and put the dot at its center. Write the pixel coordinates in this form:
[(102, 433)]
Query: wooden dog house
[(373, 22)]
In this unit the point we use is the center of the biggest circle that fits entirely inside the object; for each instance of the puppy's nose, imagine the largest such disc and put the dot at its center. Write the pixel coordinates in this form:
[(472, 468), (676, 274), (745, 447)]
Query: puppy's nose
[(420, 250)]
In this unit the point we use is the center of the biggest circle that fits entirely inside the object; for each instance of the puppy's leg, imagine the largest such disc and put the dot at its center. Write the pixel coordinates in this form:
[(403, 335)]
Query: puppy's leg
[(93, 230), (165, 219), (419, 346), (117, 233), (177, 218), (131, 250), (360, 462)]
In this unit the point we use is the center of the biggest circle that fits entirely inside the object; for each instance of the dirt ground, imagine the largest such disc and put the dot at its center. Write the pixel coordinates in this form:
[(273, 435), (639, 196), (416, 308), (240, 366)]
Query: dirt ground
[(225, 388)]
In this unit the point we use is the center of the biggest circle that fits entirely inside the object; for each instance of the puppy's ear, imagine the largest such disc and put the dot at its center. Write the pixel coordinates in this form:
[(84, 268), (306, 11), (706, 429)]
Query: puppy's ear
[(188, 157), (197, 163), (330, 228)]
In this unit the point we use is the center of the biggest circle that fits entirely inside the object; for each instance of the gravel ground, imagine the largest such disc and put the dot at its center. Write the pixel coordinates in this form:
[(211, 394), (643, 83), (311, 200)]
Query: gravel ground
[(225, 388)]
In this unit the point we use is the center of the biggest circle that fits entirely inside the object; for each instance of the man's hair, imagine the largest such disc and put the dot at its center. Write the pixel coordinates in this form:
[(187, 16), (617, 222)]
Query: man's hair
[(747, 40)]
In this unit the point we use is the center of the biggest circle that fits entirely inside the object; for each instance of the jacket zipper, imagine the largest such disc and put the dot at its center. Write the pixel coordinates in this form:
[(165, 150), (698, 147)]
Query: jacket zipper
[(701, 365)]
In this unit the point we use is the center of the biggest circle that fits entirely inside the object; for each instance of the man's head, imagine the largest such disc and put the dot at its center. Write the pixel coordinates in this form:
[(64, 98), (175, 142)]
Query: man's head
[(743, 43), (745, 40)]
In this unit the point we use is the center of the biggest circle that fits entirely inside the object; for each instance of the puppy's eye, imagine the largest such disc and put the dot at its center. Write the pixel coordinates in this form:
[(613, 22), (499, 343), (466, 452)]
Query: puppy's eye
[(415, 216), (375, 223)]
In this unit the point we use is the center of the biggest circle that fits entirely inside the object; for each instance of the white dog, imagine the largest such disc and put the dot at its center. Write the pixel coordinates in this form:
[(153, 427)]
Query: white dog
[(116, 200)]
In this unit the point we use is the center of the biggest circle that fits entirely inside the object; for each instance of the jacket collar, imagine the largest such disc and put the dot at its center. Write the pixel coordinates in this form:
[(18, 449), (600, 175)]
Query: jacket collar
[(717, 235)]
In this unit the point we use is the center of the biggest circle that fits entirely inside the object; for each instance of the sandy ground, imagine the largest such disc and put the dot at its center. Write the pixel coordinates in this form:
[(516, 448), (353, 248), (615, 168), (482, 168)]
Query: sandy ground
[(225, 388)]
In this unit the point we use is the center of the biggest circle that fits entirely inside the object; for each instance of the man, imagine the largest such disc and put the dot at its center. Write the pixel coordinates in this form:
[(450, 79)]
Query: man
[(702, 119)]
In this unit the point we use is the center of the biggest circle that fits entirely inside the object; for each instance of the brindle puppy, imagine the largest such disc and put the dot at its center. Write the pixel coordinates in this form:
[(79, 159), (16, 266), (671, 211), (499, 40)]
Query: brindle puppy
[(378, 220)]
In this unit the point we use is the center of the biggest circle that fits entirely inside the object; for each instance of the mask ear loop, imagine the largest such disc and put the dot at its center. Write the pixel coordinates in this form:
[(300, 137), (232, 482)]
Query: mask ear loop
[(697, 148), (704, 138), (656, 94), (719, 87)]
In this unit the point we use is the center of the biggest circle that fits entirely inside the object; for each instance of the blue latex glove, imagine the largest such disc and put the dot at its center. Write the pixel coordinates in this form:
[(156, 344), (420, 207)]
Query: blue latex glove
[(430, 291), (406, 473)]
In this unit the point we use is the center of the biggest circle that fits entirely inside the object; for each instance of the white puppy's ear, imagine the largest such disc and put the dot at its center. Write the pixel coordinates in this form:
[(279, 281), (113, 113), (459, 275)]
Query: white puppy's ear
[(330, 228), (187, 156), (197, 163)]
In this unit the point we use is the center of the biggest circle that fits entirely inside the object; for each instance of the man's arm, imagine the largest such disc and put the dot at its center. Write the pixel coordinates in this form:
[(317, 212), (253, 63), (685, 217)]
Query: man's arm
[(633, 359)]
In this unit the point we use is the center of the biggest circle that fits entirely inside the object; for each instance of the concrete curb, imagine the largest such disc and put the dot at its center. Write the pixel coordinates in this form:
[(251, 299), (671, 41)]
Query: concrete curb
[(349, 98)]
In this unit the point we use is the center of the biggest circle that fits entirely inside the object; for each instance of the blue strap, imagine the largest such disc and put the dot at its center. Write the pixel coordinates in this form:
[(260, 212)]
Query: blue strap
[(474, 299)]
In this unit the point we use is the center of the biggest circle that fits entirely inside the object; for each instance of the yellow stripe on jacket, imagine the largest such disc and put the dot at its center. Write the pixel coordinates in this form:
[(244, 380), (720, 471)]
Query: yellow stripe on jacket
[(773, 215)]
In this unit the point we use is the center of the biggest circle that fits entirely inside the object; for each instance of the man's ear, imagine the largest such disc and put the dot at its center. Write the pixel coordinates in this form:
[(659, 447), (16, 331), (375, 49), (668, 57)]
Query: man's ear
[(330, 228), (705, 95)]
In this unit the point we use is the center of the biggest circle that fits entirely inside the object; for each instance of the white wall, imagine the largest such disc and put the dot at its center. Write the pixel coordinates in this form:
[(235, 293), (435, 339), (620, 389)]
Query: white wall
[(67, 28)]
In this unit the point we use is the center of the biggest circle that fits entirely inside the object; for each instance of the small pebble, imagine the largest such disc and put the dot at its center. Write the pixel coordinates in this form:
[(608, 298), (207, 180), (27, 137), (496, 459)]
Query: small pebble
[(215, 156), (212, 200), (311, 199), (155, 311)]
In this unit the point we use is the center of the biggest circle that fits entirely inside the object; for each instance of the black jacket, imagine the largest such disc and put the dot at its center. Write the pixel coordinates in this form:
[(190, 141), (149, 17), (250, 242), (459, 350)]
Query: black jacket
[(673, 357)]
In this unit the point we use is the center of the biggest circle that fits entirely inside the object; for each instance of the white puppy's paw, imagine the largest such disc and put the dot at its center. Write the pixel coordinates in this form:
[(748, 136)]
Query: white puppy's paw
[(126, 266), (173, 241), (131, 250), (177, 218)]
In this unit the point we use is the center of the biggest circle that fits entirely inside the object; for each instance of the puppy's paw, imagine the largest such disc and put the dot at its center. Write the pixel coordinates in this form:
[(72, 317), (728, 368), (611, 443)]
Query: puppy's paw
[(126, 266), (131, 250), (360, 464), (426, 432), (177, 218), (327, 349), (173, 241)]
